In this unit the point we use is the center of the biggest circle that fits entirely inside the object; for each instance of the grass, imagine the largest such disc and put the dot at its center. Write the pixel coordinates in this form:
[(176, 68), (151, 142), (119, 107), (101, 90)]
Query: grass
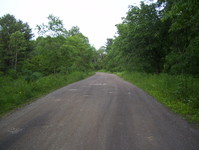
[(179, 93), (15, 93)]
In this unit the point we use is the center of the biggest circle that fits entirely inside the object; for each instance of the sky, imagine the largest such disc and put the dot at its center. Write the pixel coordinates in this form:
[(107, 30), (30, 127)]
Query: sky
[(95, 18)]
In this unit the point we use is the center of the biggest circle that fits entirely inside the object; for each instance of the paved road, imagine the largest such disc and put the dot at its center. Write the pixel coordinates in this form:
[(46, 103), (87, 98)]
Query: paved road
[(102, 112)]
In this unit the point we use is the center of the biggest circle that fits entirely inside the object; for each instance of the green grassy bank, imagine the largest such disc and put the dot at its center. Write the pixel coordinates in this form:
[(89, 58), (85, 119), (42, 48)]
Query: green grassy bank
[(179, 93), (16, 92)]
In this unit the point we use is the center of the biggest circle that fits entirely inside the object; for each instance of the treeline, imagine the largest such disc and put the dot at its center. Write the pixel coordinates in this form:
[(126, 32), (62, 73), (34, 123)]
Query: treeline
[(56, 50), (31, 67), (157, 37), (157, 49)]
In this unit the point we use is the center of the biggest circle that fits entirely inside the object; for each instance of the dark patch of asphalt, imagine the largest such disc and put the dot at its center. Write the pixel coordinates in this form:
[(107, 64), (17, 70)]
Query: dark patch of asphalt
[(102, 112)]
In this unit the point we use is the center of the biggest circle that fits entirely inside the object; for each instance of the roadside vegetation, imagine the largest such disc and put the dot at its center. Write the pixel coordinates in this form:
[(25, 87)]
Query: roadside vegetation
[(157, 48), (30, 68), (179, 93), (16, 92)]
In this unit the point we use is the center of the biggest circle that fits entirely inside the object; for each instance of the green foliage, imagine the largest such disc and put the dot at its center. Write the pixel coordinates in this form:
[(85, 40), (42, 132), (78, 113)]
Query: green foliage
[(30, 76), (47, 55), (139, 42), (180, 93), (30, 68), (14, 37), (162, 39), (114, 60), (183, 14), (74, 31), (191, 58), (18, 46), (54, 27), (98, 58), (57, 54), (60, 52), (14, 93), (80, 52), (57, 50), (183, 30), (157, 37)]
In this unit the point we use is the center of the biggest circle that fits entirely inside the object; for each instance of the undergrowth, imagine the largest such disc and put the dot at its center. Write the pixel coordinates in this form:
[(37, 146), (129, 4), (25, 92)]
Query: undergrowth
[(16, 92), (179, 93)]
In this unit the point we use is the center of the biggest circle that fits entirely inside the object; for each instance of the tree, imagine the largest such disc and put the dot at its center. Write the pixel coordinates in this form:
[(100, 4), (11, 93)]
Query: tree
[(46, 57), (98, 58), (80, 51), (74, 31), (184, 28), (54, 28), (109, 43), (8, 26), (58, 53), (18, 46), (139, 40)]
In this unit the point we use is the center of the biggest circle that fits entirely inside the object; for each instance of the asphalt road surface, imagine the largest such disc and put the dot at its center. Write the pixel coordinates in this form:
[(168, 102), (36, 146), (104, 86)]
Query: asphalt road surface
[(102, 112)]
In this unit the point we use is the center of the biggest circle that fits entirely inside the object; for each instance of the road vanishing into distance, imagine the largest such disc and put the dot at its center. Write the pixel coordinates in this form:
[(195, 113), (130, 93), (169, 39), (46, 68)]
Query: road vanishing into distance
[(102, 112)]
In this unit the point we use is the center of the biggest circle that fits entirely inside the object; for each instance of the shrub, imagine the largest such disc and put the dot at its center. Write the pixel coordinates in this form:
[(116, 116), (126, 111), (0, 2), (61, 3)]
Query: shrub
[(180, 93), (14, 93)]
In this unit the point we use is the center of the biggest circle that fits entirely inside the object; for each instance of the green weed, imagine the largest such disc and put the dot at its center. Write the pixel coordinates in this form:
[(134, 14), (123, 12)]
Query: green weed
[(179, 93), (16, 92)]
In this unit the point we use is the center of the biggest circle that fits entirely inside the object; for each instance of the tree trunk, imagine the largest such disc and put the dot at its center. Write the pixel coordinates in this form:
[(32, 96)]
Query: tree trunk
[(15, 66)]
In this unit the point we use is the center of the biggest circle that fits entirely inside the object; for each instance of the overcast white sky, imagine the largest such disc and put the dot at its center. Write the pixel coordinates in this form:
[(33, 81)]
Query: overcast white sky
[(95, 18)]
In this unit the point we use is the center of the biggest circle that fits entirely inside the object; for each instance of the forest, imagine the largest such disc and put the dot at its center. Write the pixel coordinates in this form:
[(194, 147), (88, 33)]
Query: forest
[(156, 48), (155, 38), (29, 68)]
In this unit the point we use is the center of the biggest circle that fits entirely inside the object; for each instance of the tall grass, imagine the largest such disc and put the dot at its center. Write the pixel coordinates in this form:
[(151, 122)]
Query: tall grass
[(14, 93), (179, 93)]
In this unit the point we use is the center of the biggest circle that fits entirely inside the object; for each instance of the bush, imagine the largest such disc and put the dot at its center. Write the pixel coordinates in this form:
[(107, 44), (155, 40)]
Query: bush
[(180, 93), (14, 93)]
